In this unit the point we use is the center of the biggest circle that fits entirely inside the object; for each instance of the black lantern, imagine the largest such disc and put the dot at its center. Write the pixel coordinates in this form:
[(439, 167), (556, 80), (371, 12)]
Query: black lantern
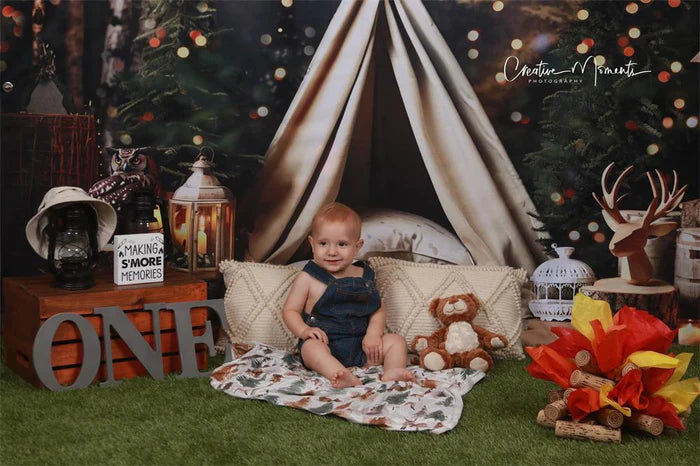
[(73, 246), (143, 212)]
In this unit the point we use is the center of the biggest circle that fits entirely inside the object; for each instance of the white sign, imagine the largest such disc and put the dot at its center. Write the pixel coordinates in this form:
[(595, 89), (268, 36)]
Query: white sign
[(138, 258)]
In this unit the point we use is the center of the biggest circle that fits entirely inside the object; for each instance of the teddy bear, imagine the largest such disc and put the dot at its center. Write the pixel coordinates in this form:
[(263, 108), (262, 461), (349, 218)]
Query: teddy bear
[(459, 343)]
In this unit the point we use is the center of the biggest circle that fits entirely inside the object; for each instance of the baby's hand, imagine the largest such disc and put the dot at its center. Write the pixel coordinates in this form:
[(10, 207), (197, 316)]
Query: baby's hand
[(315, 333), (372, 346)]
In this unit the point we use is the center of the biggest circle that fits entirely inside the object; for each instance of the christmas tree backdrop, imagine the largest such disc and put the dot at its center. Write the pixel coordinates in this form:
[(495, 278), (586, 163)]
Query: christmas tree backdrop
[(648, 120)]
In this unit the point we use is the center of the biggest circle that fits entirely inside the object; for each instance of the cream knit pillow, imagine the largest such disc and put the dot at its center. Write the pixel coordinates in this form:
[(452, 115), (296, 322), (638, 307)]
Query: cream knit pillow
[(255, 295), (407, 288)]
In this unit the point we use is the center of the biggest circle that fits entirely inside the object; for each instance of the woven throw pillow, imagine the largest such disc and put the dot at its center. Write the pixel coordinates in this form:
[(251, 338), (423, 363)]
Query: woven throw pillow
[(408, 288), (255, 295)]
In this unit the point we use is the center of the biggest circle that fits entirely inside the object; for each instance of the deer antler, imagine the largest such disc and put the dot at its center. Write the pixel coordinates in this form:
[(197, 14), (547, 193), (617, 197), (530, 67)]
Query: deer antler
[(669, 199), (610, 206)]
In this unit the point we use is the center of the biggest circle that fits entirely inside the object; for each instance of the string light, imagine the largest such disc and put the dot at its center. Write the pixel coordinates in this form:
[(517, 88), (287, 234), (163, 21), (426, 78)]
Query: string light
[(194, 34), (280, 29), (516, 116), (198, 140), (150, 23), (266, 39), (582, 48), (500, 77), (679, 104), (183, 52), (588, 41), (634, 33), (623, 41), (7, 11), (202, 7), (574, 235), (154, 42), (599, 60), (516, 44), (309, 50), (497, 6), (161, 33), (653, 149), (263, 111), (599, 237), (473, 53), (676, 66), (667, 122), (556, 197), (147, 116), (692, 122), (628, 51), (201, 41), (473, 35), (674, 3), (582, 15), (664, 76), (309, 32), (280, 73), (593, 227), (632, 8)]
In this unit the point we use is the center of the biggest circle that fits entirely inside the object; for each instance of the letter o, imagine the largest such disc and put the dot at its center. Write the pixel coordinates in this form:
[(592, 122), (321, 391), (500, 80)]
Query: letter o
[(41, 352)]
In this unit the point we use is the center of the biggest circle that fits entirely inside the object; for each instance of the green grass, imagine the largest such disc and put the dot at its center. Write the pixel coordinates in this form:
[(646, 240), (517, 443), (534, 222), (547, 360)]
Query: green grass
[(144, 421)]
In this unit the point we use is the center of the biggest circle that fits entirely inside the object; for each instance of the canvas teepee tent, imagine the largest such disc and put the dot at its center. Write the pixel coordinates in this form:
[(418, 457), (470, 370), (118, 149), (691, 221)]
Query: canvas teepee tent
[(386, 118)]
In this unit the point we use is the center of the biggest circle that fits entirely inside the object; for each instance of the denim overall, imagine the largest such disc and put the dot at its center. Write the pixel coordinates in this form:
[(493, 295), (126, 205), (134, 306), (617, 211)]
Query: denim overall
[(343, 312)]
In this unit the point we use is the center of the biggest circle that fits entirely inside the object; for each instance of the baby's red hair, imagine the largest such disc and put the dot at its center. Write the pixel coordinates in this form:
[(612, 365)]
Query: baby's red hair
[(337, 212)]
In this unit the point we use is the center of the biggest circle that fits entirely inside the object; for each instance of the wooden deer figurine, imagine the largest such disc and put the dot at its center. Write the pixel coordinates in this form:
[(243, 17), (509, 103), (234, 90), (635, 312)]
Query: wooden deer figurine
[(629, 238)]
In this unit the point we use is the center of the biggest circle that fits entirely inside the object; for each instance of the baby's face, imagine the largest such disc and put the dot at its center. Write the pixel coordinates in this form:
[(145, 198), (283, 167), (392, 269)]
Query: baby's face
[(335, 245)]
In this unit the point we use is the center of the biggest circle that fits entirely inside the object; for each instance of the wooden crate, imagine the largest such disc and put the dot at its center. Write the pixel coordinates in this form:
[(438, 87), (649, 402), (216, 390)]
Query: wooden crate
[(29, 301)]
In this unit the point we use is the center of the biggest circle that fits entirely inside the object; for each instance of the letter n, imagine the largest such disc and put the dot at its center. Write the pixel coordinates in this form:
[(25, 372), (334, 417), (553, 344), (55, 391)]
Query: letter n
[(152, 360)]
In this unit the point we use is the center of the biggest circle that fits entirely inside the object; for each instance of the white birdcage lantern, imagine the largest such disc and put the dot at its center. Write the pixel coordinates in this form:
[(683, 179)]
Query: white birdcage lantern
[(556, 282), (201, 220)]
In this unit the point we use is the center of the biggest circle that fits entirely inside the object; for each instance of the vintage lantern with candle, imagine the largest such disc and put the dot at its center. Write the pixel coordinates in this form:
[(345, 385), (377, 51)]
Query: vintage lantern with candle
[(201, 214)]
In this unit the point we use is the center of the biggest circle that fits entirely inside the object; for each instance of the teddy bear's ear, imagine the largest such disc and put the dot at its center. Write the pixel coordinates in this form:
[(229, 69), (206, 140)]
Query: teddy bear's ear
[(434, 305), (471, 300)]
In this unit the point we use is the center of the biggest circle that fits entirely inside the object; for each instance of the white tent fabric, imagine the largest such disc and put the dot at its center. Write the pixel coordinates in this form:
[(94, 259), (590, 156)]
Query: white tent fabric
[(386, 118)]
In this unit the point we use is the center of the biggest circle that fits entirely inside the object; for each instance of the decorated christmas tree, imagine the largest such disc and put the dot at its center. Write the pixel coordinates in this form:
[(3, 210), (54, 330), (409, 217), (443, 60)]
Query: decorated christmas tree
[(636, 106), (187, 94)]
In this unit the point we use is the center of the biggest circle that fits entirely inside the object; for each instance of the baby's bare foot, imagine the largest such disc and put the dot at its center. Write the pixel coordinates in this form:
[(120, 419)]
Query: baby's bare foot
[(398, 373), (344, 378)]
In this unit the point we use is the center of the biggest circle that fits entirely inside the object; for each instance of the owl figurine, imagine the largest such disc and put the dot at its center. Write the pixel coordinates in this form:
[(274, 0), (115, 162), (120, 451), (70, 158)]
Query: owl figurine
[(131, 169)]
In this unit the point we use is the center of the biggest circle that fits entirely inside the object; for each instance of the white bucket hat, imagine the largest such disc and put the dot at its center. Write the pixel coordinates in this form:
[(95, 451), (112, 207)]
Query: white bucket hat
[(62, 196)]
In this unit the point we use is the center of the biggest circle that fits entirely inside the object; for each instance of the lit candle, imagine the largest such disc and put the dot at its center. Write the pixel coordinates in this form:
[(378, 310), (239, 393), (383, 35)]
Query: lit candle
[(181, 235), (201, 238)]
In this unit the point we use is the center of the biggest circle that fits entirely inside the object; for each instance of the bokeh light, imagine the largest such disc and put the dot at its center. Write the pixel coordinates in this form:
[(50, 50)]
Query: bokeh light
[(676, 66), (201, 41), (679, 104), (154, 42), (664, 76), (569, 193), (150, 23), (623, 41), (516, 116), (309, 32), (574, 235), (582, 48), (653, 149), (194, 34), (593, 227), (161, 33), (125, 139), (147, 116), (599, 237), (473, 53), (473, 35), (634, 33), (692, 122), (588, 41), (183, 52), (287, 3), (516, 44), (7, 11), (500, 77), (632, 8), (280, 73), (674, 3), (309, 50), (667, 122), (263, 111), (628, 51), (198, 140), (266, 39), (599, 60), (582, 14), (497, 6), (202, 7), (112, 111), (631, 125), (556, 197)]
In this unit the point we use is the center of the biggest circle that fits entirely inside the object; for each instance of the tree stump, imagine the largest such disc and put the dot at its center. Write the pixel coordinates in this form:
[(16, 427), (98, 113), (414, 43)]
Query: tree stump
[(657, 297)]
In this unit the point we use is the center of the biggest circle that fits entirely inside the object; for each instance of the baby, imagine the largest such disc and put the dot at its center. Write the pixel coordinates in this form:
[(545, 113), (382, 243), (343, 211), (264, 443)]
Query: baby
[(334, 307)]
